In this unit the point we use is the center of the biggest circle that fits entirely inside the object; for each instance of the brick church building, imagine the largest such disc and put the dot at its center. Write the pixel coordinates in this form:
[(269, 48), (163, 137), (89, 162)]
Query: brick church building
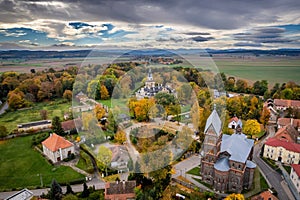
[(226, 159)]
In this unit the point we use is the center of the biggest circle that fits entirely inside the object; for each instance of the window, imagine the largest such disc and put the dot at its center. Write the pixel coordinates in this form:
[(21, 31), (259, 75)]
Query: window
[(239, 166)]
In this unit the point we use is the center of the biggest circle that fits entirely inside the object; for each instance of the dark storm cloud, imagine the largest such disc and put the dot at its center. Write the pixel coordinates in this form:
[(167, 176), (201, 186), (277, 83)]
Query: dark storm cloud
[(262, 35), (220, 14), (201, 39), (247, 44), (196, 33)]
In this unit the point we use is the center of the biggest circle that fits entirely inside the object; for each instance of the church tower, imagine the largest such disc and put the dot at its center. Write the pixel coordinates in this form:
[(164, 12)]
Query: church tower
[(150, 82), (211, 146)]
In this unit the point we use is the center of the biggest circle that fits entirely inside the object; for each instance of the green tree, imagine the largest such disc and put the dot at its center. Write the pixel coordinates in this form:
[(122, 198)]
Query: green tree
[(69, 189), (104, 156), (112, 125), (3, 131), (241, 86), (287, 93), (55, 192), (252, 127), (56, 126), (85, 193), (44, 114)]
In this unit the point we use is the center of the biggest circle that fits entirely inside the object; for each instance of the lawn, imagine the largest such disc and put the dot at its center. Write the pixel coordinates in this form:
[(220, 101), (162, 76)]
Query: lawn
[(272, 69), (194, 171), (20, 166), (55, 108)]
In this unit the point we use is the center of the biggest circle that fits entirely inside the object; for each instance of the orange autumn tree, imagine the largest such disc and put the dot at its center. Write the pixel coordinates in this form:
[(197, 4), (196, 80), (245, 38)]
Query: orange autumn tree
[(140, 109)]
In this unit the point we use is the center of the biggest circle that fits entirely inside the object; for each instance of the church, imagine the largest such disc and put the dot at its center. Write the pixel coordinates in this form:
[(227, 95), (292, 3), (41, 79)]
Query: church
[(226, 162), (151, 88)]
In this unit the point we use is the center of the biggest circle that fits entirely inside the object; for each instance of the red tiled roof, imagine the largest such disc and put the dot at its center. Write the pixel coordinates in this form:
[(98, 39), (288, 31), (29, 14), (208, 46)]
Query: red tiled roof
[(71, 124), (287, 132), (287, 103), (266, 195), (296, 169), (286, 121), (55, 142), (274, 142), (234, 119), (122, 187)]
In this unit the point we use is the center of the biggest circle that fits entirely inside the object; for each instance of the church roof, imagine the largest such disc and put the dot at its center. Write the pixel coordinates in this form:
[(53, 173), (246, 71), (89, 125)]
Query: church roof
[(214, 121), (238, 146), (222, 164), (250, 164)]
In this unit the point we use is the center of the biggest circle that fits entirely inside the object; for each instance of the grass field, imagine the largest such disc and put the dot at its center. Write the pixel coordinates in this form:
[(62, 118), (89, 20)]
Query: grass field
[(272, 69), (55, 108), (20, 166), (194, 171)]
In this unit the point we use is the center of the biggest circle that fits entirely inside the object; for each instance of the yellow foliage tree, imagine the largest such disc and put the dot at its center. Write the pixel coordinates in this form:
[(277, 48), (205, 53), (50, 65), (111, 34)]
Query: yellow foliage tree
[(99, 111), (252, 127), (104, 92), (120, 137), (234, 196), (265, 116)]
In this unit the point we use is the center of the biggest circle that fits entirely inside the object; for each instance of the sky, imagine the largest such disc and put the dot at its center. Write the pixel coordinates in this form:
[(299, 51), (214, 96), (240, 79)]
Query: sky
[(136, 24)]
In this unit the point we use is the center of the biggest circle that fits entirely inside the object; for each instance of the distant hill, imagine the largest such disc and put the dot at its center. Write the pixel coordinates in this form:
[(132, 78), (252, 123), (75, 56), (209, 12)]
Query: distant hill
[(27, 54)]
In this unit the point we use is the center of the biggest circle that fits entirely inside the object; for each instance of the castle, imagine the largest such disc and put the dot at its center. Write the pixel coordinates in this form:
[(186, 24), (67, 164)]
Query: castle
[(226, 159), (151, 88)]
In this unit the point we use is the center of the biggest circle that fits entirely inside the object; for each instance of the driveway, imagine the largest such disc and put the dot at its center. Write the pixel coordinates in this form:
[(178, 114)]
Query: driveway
[(273, 178)]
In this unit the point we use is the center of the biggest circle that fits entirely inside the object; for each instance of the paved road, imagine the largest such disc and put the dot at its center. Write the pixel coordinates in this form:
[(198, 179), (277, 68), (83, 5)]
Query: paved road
[(186, 165), (4, 108), (273, 177)]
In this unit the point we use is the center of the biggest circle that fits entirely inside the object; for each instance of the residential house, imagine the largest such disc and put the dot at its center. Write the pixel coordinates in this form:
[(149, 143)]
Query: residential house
[(24, 194), (56, 148), (287, 133), (286, 121), (72, 125), (120, 190), (265, 195), (282, 150), (233, 122), (295, 176), (283, 104), (226, 161)]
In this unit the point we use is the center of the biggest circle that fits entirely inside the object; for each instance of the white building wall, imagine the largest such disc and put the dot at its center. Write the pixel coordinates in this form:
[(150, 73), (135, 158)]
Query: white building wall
[(287, 157), (295, 179), (53, 156)]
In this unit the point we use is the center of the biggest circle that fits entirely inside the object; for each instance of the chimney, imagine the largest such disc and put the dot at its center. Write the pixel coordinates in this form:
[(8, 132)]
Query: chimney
[(292, 121)]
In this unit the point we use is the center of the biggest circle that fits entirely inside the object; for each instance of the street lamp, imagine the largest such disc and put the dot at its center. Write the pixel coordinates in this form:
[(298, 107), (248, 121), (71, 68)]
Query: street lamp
[(41, 179)]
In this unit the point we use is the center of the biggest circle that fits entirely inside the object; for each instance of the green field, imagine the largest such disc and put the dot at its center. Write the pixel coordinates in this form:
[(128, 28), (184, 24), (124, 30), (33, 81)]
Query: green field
[(54, 108), (272, 69), (20, 166)]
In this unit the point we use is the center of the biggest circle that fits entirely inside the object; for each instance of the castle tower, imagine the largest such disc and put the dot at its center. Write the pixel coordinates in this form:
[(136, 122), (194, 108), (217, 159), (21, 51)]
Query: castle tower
[(211, 146)]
